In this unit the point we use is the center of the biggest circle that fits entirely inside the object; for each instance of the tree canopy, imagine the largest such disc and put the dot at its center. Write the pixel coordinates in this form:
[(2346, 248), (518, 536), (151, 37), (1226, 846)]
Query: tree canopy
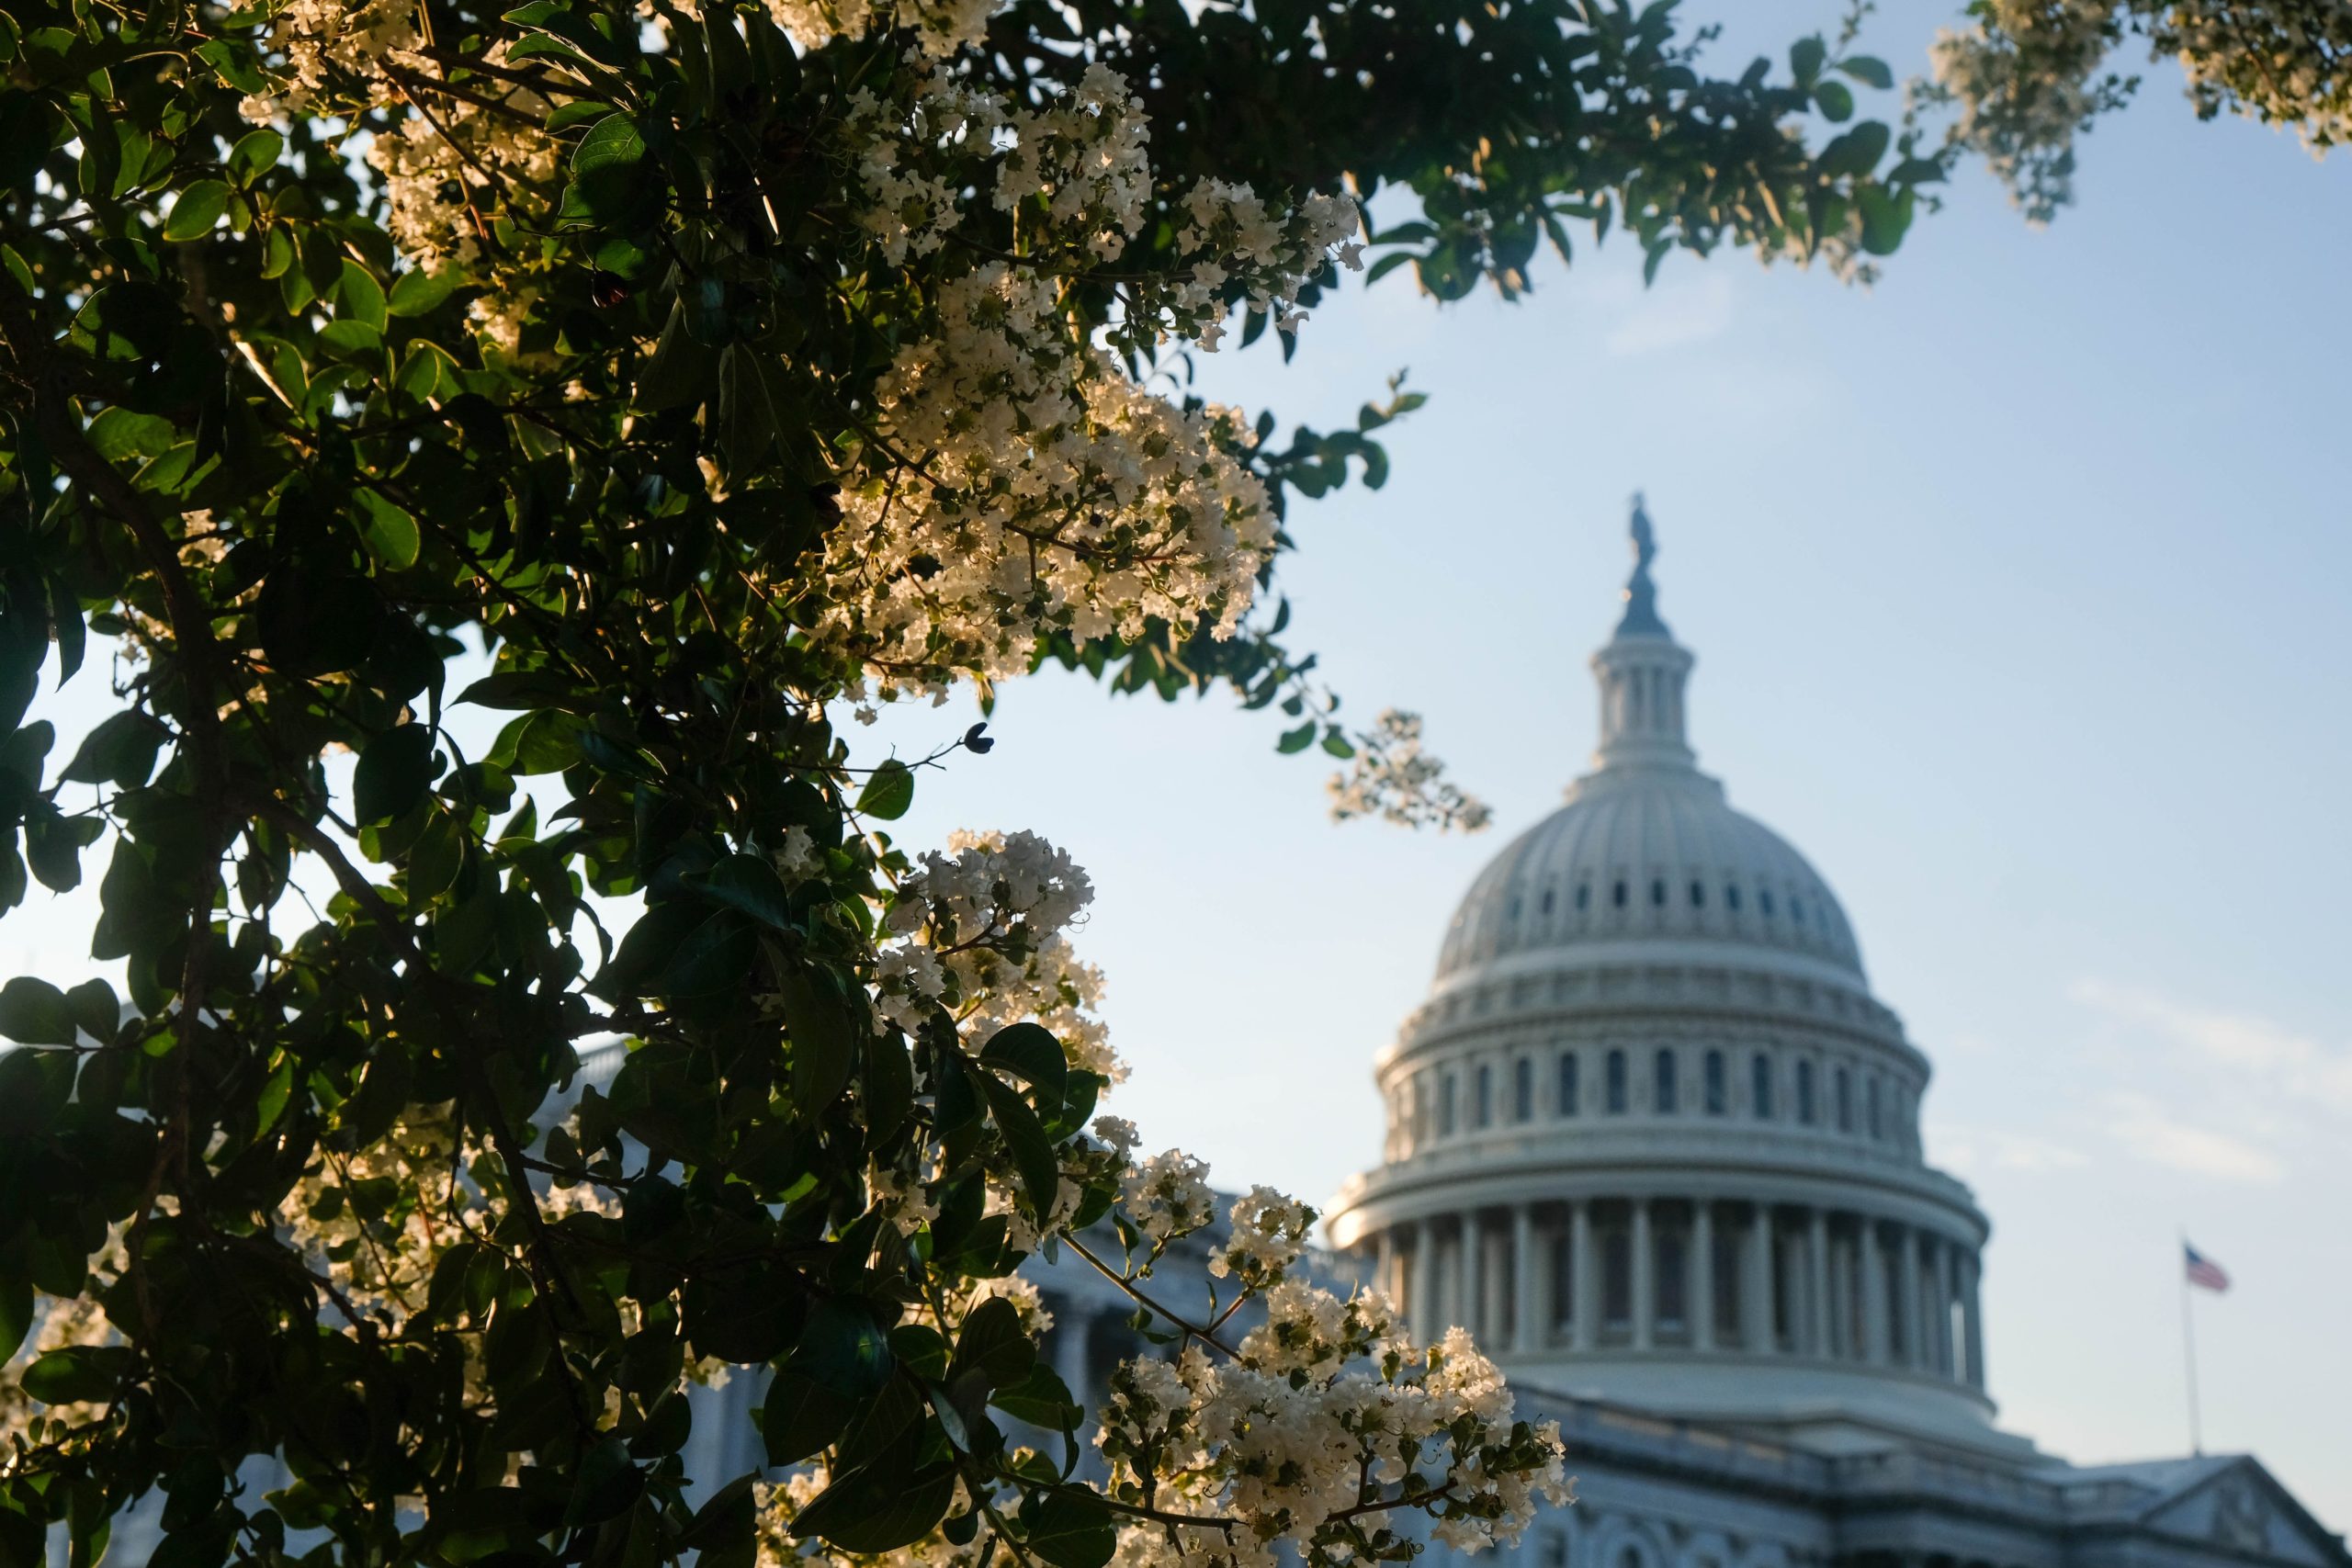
[(678, 381)]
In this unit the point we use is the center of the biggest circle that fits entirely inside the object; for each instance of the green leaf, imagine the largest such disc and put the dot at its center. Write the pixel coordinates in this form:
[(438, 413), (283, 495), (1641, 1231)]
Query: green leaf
[(419, 289), (1805, 57), (33, 1012), (604, 168), (120, 751), (1835, 100), (347, 339), (1069, 1528), (15, 1313), (1297, 739), (1033, 1152), (360, 298), (1868, 70), (255, 154), (822, 1038), (394, 772), (1042, 1399), (715, 957), (889, 792), (199, 207), (874, 1510), (843, 1350), (389, 531), (800, 1417), (1856, 153), (749, 883), (1029, 1050), (990, 1341), (76, 1375)]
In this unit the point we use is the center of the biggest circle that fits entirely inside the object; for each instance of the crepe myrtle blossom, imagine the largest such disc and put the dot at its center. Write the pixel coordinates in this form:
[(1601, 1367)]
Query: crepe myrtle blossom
[(1392, 777)]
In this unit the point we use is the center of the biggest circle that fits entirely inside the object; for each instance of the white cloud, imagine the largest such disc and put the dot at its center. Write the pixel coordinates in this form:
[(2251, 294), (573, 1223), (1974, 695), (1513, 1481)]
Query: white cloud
[(1980, 1149), (2143, 1127), (2267, 1055), (1684, 309)]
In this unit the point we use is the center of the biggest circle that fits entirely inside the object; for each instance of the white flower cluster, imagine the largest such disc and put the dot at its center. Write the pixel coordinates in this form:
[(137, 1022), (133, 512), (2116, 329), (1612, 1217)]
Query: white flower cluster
[(1328, 1423), (2022, 81), (321, 40), (941, 27), (444, 175), (1026, 485), (377, 1219), (2284, 61), (1392, 777), (986, 924), (1270, 1231), (1168, 1196)]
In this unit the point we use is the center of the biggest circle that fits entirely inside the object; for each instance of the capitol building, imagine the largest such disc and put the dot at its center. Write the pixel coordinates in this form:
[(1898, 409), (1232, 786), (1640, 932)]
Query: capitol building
[(1653, 1139)]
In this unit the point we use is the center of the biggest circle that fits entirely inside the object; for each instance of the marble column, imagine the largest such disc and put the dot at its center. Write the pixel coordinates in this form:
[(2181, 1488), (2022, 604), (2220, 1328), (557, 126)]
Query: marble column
[(1644, 1261), (1947, 1293), (1756, 1329), (1494, 1294), (1907, 1293), (1873, 1265), (1584, 1278), (1699, 1297), (1421, 1309), (1816, 1274), (1383, 1262), (1972, 1306), (1072, 1328), (1529, 1322)]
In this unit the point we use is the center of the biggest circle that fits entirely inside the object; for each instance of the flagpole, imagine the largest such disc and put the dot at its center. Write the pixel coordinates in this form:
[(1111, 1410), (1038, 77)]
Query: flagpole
[(2188, 1346)]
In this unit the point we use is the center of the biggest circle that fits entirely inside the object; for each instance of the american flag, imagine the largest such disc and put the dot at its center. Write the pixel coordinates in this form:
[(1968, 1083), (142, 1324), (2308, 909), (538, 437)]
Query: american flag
[(2203, 1271)]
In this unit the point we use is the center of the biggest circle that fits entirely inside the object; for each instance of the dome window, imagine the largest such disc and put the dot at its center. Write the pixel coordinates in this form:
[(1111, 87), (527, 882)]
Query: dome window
[(1698, 894), (1483, 1102), (1870, 1102), (1523, 1090), (1546, 905), (1663, 1085), (1760, 1087), (1617, 894), (1717, 1090), (1657, 892), (1845, 1087), (1514, 909), (1616, 1083), (1567, 1083), (1804, 1093), (1796, 910), (1731, 896), (1446, 1106), (1584, 895), (1764, 899)]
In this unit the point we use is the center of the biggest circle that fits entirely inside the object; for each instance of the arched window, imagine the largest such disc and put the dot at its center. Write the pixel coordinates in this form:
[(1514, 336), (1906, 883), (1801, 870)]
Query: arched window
[(1483, 1103), (1617, 894), (1698, 894), (1446, 1106), (1764, 899), (1731, 896), (1796, 910), (1804, 1092), (1567, 1083), (1878, 1126), (1662, 1095), (1616, 1083), (1420, 1111), (1760, 1086), (1845, 1082), (1584, 895), (1672, 1303), (1657, 892), (1547, 900), (1523, 1090), (1718, 1091)]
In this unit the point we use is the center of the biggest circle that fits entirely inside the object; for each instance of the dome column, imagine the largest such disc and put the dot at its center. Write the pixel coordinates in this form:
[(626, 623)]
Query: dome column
[(1584, 1284), (1946, 1352), (1423, 1305), (1817, 1261), (1528, 1329), (1873, 1265), (1973, 1312), (1756, 1300), (1493, 1298), (1700, 1305), (1645, 1263), (1906, 1294)]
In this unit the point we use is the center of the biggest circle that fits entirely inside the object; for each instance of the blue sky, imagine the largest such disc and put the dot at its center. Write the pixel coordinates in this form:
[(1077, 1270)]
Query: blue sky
[(2017, 584)]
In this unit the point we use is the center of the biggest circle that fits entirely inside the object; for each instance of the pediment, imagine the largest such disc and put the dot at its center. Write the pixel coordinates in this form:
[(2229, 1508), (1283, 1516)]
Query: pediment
[(2243, 1508)]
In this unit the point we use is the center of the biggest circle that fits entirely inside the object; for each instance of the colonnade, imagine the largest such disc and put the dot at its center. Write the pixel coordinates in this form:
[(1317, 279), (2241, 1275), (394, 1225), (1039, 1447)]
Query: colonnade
[(1657, 1273)]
